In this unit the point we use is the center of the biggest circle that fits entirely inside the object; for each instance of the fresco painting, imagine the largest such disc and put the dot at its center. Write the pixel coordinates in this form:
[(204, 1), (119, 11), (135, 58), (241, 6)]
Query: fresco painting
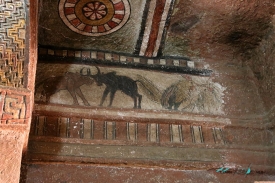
[(102, 86)]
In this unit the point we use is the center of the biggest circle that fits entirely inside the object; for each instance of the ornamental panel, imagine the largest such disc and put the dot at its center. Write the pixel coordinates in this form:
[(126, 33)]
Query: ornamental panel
[(94, 17), (12, 42)]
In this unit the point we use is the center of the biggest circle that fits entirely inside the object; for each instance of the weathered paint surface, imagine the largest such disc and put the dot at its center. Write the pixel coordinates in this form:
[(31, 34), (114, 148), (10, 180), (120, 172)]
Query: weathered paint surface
[(151, 90), (122, 38)]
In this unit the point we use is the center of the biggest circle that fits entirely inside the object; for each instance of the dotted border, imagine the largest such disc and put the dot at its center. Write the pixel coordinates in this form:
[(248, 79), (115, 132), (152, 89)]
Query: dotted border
[(170, 64)]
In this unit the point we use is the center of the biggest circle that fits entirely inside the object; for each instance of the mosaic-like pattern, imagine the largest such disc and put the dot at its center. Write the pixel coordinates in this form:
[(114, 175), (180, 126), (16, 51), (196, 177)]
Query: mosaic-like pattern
[(94, 17), (12, 42), (14, 107)]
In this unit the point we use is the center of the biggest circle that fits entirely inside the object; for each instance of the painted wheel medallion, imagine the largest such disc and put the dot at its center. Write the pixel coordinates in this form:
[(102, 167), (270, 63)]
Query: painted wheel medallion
[(94, 17)]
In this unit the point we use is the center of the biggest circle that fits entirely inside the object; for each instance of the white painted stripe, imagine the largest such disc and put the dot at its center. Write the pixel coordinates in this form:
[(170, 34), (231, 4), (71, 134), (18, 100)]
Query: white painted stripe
[(69, 5), (132, 128), (87, 128), (176, 133), (78, 54), (71, 17), (108, 56), (176, 62), (150, 61), (65, 52), (153, 132), (109, 130), (94, 54), (81, 26), (137, 60), (123, 58), (161, 26), (116, 1), (190, 64), (94, 29), (197, 134), (162, 62), (119, 12), (107, 27), (148, 27), (116, 20)]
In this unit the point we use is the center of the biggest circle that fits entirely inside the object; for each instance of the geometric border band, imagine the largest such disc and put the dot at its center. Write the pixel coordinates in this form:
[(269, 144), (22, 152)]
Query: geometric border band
[(169, 64)]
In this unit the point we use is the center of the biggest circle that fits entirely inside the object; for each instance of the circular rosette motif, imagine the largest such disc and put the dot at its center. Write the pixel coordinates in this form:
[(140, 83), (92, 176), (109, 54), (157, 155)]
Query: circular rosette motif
[(94, 17)]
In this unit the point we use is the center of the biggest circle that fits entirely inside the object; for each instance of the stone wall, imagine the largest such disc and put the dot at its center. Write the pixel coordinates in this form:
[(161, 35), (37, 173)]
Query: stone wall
[(17, 73)]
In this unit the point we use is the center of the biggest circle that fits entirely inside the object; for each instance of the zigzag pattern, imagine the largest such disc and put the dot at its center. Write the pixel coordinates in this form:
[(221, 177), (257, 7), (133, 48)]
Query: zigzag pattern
[(12, 42)]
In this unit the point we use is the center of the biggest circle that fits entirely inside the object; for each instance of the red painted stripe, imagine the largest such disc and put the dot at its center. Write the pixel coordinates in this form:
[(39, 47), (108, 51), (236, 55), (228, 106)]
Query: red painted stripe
[(112, 24), (69, 11), (118, 16), (75, 22), (101, 28), (119, 6), (155, 28), (88, 28)]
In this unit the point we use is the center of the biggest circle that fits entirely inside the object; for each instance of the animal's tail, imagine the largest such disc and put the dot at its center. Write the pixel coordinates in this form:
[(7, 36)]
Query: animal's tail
[(151, 90), (168, 94)]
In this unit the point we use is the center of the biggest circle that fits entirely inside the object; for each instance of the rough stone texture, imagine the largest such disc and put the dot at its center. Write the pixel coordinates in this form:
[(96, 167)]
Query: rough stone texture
[(211, 29), (261, 61), (234, 39), (71, 173), (12, 140), (16, 103)]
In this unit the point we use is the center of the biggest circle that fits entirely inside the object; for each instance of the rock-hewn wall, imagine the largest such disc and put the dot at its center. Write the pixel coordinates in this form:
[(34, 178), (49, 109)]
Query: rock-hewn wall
[(203, 28), (262, 63)]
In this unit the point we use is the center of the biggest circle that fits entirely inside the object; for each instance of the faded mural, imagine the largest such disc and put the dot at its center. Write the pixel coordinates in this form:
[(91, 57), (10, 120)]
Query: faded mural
[(86, 85)]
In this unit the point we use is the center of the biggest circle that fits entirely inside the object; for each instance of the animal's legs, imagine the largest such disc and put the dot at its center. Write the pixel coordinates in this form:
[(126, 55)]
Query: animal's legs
[(105, 93), (139, 100), (80, 94), (135, 101), (112, 95), (72, 91), (74, 97)]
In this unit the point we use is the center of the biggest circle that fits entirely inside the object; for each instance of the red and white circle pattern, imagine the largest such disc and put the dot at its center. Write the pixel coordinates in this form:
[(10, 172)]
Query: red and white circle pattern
[(94, 17)]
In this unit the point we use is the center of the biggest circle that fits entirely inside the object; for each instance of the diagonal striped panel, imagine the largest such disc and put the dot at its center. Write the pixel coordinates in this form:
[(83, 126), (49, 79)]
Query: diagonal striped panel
[(158, 11)]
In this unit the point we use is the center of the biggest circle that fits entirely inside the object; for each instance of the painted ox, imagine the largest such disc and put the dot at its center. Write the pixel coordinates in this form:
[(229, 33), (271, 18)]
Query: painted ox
[(114, 83), (70, 82)]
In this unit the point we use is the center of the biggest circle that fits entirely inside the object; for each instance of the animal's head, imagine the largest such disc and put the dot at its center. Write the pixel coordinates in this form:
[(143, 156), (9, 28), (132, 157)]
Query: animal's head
[(97, 77)]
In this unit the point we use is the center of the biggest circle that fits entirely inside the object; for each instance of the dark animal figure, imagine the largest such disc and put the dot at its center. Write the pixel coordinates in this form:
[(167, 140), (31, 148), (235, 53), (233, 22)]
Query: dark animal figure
[(114, 83), (71, 82)]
